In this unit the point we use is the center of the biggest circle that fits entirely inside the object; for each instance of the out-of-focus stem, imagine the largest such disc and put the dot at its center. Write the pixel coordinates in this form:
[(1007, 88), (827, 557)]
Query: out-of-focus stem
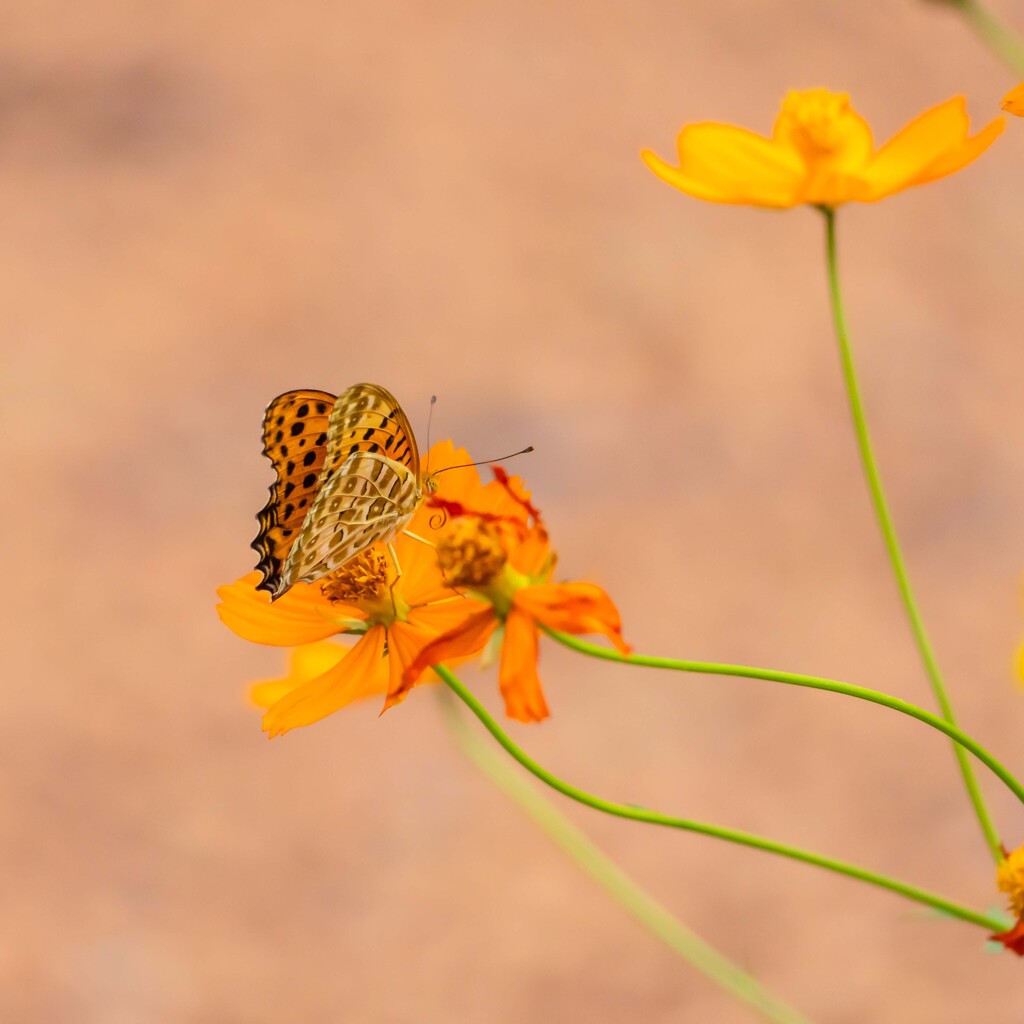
[(613, 880), (1002, 40)]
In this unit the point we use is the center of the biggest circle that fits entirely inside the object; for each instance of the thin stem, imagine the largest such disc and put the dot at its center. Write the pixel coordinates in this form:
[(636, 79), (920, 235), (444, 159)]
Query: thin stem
[(892, 546), (1004, 42), (633, 813), (603, 870), (810, 682)]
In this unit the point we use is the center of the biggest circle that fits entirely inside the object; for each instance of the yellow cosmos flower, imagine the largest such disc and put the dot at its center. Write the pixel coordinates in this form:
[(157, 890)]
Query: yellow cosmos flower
[(821, 153), (1013, 101)]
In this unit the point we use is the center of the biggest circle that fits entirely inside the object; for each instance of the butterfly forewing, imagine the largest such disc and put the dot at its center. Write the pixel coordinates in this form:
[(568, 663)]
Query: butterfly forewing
[(295, 434), (368, 489)]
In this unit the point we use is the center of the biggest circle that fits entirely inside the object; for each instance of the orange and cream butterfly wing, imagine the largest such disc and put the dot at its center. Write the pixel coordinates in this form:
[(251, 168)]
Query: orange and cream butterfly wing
[(295, 435), (368, 501), (369, 486)]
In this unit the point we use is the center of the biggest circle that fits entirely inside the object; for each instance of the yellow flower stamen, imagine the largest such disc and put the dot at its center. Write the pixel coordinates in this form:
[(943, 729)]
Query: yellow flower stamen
[(361, 581), (817, 122), (1010, 879), (470, 553)]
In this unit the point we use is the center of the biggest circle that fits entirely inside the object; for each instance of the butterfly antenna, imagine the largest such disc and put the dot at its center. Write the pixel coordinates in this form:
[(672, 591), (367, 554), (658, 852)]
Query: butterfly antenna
[(430, 420), (484, 462)]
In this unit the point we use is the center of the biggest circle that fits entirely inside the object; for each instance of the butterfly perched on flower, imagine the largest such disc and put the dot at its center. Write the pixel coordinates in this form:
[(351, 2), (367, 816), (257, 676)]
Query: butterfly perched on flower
[(348, 477)]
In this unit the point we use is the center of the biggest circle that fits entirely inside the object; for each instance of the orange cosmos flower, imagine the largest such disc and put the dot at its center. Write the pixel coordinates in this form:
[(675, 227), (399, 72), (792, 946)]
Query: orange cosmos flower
[(506, 563), (1010, 879), (357, 600), (821, 152)]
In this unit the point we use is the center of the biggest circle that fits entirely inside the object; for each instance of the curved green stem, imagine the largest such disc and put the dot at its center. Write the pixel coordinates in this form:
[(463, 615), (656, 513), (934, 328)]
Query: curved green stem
[(810, 682), (892, 546), (648, 911), (632, 813), (997, 36)]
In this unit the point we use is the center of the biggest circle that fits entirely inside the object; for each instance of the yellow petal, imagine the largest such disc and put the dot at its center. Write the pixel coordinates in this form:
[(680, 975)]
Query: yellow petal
[(1013, 101), (931, 146), (1018, 664), (726, 164), (967, 153)]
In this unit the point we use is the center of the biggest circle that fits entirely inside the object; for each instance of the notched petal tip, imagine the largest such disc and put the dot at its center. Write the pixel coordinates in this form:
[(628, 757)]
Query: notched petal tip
[(1013, 101)]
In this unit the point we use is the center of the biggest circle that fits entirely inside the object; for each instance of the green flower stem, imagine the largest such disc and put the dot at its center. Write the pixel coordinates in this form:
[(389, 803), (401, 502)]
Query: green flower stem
[(811, 682), (892, 546), (603, 870), (987, 921), (997, 36)]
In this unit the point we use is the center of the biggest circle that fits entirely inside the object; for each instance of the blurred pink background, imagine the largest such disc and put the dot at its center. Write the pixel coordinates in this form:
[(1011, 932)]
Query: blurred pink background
[(206, 204)]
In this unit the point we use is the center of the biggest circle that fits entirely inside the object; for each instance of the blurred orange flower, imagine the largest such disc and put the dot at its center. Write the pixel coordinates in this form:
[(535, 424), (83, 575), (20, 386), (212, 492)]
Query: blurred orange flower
[(507, 563), (821, 152), (357, 600), (1010, 879), (1013, 101)]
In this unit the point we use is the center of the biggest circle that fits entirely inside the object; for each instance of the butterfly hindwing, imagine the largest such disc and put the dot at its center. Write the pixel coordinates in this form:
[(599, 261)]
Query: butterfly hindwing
[(368, 501), (295, 436)]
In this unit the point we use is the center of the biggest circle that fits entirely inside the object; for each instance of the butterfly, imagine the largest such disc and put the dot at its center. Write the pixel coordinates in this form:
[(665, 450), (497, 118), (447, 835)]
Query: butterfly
[(348, 477)]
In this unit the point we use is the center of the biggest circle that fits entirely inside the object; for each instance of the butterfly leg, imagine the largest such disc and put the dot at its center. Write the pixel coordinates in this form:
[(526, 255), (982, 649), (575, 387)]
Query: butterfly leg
[(398, 574), (422, 540)]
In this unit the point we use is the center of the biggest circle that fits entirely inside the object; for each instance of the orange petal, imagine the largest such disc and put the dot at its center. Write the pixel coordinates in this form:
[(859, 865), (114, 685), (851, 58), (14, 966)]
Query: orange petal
[(304, 663), (362, 672), (405, 641), (294, 619), (1013, 101), (573, 608), (532, 555), (931, 146), (1013, 939), (467, 638), (726, 164), (517, 674), (422, 582)]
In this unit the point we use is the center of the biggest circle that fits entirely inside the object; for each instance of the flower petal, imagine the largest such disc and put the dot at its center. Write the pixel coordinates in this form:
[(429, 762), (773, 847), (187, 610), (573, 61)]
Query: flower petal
[(1012, 939), (292, 620), (465, 639), (405, 641), (966, 153), (304, 663), (1013, 101), (573, 608), (726, 164), (934, 144), (361, 672), (517, 675)]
